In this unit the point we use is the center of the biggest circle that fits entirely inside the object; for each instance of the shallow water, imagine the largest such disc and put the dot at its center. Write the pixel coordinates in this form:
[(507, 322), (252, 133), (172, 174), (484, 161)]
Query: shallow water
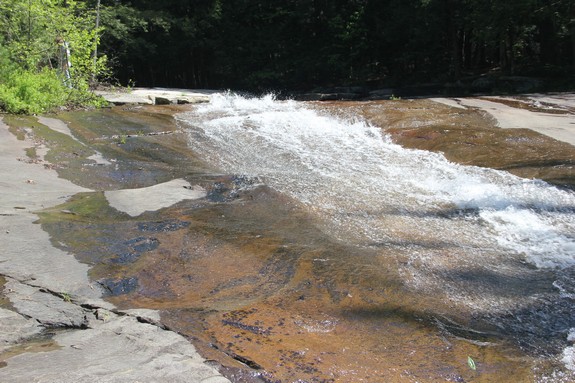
[(326, 252), (472, 236)]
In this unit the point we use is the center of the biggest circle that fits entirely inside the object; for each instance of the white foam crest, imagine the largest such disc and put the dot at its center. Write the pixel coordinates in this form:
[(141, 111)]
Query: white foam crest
[(544, 238), (571, 336), (236, 104), (529, 217), (372, 191), (568, 358)]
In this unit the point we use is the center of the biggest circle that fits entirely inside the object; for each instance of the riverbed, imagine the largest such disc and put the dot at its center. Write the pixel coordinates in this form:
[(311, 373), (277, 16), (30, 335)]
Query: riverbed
[(396, 240)]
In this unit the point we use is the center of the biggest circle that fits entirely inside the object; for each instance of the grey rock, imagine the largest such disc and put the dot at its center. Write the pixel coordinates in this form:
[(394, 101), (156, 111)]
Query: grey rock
[(49, 310), (483, 84), (119, 350), (123, 98), (158, 100), (317, 97), (158, 96), (349, 96), (517, 84), (47, 286), (381, 93), (16, 328), (145, 315)]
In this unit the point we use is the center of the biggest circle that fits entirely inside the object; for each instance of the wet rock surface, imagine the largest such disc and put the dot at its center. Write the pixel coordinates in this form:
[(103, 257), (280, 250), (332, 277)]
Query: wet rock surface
[(246, 275), (52, 315), (470, 137)]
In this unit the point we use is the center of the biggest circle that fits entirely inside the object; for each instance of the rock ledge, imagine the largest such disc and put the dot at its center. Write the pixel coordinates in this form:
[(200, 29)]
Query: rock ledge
[(154, 96)]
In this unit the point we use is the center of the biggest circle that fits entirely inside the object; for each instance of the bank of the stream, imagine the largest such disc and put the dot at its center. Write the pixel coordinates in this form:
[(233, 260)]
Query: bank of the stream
[(246, 274)]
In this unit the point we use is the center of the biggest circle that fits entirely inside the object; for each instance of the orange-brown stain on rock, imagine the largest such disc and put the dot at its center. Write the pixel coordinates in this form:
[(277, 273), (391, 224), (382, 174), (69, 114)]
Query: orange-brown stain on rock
[(255, 285)]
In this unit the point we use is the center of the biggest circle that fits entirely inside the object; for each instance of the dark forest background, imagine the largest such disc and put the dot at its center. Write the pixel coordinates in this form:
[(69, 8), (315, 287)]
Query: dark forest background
[(301, 44)]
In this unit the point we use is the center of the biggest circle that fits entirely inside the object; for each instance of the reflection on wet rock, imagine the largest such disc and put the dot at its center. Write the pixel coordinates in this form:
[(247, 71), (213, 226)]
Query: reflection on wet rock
[(119, 287), (136, 247), (307, 269), (229, 188), (163, 226)]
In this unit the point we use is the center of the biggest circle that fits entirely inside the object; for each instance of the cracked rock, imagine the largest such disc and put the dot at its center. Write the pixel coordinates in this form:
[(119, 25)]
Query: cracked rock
[(120, 350), (16, 328), (48, 309)]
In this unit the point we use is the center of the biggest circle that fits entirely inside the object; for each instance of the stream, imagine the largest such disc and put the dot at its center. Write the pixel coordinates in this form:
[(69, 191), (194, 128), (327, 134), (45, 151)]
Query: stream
[(478, 242), (325, 251)]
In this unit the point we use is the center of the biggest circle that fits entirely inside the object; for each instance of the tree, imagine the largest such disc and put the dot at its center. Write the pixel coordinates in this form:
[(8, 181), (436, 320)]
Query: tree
[(50, 41), (301, 44), (161, 43)]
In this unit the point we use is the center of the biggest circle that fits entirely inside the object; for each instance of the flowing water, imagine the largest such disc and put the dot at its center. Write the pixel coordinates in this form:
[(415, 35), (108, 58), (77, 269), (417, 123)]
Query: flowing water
[(323, 250), (486, 255)]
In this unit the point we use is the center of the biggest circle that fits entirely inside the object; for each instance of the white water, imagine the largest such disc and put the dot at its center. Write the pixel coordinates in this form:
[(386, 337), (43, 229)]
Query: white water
[(436, 216), (371, 191)]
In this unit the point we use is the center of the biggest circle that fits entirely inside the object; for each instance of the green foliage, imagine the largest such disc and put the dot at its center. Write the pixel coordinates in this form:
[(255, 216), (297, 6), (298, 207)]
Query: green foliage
[(308, 43), (29, 92), (38, 41), (34, 92), (151, 41), (66, 297)]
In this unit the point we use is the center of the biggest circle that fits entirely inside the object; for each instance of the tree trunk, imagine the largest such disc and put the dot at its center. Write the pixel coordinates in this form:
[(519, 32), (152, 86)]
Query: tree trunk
[(503, 54), (572, 29), (96, 42), (511, 50), (547, 39), (453, 36)]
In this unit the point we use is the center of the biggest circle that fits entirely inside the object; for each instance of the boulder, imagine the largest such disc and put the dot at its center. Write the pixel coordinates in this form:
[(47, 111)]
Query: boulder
[(379, 94), (154, 96), (511, 84)]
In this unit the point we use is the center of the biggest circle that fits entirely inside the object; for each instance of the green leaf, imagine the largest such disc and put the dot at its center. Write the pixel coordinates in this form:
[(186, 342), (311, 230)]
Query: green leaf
[(471, 363)]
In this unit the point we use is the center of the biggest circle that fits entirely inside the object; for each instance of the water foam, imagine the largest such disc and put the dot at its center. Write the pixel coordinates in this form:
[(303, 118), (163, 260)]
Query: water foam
[(568, 356), (374, 191)]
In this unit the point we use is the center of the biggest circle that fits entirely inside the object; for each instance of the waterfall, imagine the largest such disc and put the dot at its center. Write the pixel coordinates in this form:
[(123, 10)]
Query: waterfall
[(481, 238), (371, 191)]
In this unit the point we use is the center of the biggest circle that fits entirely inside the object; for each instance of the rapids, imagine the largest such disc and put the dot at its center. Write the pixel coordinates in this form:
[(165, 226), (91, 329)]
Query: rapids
[(488, 244)]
